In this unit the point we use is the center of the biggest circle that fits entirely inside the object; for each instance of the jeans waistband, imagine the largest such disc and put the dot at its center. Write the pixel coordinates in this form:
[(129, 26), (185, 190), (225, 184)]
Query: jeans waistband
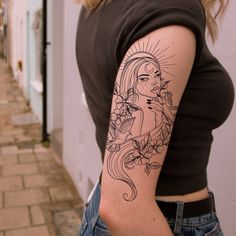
[(190, 209), (179, 210)]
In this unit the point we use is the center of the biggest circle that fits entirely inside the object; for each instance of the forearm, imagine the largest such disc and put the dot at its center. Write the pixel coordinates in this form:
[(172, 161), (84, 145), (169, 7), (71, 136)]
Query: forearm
[(145, 219)]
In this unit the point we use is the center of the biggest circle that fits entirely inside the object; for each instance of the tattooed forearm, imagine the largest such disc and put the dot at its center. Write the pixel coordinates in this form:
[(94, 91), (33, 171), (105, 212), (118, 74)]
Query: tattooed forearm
[(142, 115)]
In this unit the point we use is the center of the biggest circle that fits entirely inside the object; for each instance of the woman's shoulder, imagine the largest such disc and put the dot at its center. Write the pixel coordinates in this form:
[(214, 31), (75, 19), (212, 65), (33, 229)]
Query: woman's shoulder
[(168, 3), (195, 7), (148, 15), (162, 12)]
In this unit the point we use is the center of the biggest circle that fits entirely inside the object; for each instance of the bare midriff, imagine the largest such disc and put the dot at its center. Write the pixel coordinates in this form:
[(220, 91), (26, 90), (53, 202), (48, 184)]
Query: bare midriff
[(190, 197)]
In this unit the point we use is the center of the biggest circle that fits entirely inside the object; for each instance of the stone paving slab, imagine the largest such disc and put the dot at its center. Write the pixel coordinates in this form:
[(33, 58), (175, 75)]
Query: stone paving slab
[(44, 156), (8, 159), (26, 197), (3, 102), (68, 222), (49, 167), (20, 169), (1, 200), (23, 138), (25, 151), (42, 180), (64, 217), (37, 196), (24, 119), (14, 218), (12, 132), (39, 148), (11, 183), (60, 193), (9, 150), (33, 231), (27, 158), (37, 215), (20, 98), (6, 140)]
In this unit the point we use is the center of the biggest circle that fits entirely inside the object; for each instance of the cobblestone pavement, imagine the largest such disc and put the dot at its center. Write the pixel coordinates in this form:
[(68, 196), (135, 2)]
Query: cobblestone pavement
[(37, 196)]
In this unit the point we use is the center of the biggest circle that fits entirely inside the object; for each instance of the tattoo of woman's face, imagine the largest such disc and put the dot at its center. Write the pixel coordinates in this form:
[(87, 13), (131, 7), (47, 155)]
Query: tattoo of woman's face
[(149, 80), (128, 144)]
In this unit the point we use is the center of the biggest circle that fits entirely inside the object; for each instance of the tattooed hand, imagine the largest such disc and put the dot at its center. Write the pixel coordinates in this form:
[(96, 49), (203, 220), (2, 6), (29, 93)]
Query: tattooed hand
[(156, 107)]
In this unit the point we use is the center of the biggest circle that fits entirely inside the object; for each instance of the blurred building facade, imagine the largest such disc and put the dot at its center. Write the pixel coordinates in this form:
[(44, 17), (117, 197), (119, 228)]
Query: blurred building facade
[(68, 119), (23, 47), (1, 28), (6, 33), (15, 26)]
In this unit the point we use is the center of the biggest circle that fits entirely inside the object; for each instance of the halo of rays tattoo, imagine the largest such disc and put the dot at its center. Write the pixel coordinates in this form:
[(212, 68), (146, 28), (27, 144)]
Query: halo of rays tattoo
[(128, 143)]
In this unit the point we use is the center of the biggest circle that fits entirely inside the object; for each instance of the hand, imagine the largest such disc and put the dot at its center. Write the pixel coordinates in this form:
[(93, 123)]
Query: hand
[(155, 106)]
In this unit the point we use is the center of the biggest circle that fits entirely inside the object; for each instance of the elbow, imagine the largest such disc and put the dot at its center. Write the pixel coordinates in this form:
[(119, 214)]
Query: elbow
[(110, 211), (105, 211), (114, 213), (102, 210)]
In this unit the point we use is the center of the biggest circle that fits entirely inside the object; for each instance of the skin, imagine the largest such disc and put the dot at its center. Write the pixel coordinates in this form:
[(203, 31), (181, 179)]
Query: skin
[(134, 156)]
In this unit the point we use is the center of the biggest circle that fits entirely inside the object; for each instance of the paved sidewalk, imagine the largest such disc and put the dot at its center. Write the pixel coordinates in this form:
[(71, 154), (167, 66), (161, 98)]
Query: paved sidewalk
[(37, 196)]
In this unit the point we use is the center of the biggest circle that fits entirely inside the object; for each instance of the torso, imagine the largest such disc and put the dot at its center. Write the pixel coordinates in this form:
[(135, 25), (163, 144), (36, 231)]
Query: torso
[(191, 197)]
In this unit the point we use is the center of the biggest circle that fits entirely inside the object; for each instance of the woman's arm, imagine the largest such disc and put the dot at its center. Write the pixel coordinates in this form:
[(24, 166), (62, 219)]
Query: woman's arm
[(150, 82)]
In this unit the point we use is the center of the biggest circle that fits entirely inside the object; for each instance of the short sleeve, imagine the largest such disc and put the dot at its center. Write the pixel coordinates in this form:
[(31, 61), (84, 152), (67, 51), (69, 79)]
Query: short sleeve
[(149, 17)]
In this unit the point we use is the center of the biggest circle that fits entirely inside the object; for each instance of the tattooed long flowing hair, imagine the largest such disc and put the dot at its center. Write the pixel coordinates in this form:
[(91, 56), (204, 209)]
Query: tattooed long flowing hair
[(214, 9)]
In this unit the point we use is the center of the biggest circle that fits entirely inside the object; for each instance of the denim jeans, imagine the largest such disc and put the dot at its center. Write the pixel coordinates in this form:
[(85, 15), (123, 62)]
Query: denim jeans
[(204, 225)]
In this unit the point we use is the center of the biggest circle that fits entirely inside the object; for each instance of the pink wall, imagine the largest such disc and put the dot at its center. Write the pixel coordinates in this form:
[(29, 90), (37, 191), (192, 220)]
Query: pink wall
[(222, 177), (80, 155)]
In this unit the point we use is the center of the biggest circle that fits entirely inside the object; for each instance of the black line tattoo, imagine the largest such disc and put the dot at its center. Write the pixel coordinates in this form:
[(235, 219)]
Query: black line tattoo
[(140, 92)]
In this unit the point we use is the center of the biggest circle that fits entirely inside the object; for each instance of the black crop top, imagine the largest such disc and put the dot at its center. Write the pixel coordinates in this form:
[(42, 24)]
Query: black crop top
[(103, 38)]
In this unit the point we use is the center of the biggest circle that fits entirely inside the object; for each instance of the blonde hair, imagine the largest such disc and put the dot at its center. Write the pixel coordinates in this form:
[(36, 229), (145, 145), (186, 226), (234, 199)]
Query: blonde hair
[(214, 9)]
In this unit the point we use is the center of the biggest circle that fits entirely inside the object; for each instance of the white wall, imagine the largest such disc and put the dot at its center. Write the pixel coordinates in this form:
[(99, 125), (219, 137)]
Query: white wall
[(34, 94), (81, 155), (222, 165), (55, 64)]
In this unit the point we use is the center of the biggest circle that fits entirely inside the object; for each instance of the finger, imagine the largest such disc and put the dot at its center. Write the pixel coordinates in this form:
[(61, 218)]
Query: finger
[(156, 106), (156, 103)]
